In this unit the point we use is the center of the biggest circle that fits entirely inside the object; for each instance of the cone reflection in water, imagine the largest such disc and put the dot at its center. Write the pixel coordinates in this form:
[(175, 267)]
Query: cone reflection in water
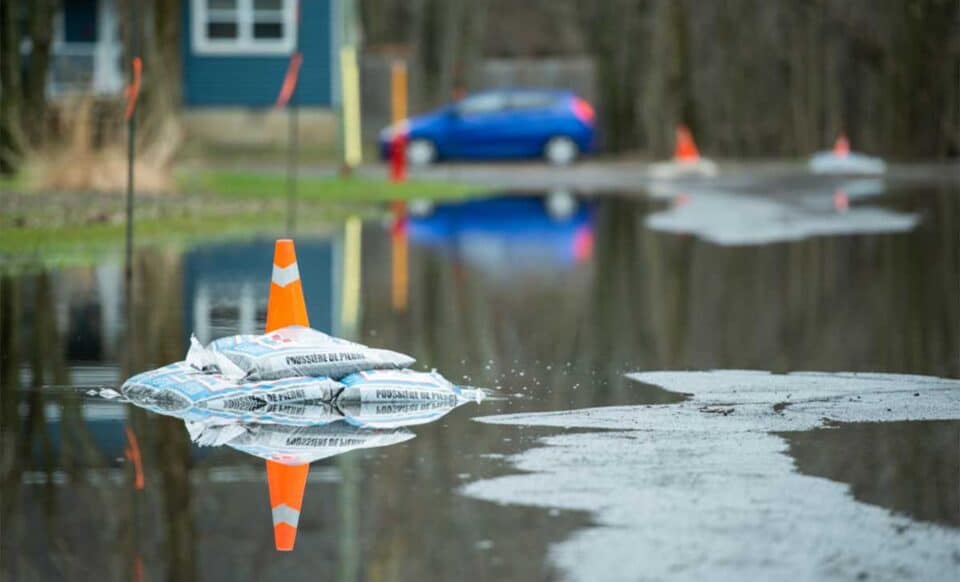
[(841, 201), (287, 484), (286, 306)]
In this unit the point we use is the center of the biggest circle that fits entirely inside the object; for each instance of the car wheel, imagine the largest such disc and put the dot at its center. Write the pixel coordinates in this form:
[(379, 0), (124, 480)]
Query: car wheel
[(421, 152), (561, 205), (561, 151)]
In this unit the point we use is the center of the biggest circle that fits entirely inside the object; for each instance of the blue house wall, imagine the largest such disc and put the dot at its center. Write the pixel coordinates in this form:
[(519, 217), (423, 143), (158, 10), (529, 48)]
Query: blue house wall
[(255, 80)]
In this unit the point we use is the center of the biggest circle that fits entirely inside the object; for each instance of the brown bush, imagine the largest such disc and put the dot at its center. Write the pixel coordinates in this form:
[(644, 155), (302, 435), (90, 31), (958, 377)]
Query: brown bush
[(91, 153)]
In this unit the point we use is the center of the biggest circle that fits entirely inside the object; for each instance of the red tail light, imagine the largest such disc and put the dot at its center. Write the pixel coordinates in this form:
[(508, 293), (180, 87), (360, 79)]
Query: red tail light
[(583, 110)]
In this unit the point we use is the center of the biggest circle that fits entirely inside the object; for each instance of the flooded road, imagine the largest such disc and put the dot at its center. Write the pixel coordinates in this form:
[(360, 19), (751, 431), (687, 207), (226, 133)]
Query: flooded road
[(551, 300)]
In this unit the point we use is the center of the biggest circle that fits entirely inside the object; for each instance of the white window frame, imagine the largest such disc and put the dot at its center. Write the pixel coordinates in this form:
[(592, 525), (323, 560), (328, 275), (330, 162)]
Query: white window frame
[(245, 43)]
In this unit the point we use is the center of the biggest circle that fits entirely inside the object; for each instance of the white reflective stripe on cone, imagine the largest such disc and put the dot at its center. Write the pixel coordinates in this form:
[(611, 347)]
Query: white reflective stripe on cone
[(283, 513), (283, 276)]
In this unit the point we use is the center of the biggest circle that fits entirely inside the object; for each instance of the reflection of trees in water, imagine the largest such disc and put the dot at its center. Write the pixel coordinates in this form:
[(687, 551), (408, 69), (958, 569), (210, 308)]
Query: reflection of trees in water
[(646, 300), (28, 323), (120, 516), (870, 303), (462, 319), (157, 311), (459, 320), (890, 458), (11, 465)]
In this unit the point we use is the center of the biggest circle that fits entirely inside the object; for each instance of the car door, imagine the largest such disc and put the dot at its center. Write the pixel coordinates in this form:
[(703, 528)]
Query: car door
[(535, 118), (482, 127)]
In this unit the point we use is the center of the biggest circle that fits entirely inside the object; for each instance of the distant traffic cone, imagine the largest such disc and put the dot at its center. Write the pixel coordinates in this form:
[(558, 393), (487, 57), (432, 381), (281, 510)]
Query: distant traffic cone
[(841, 147), (286, 306), (685, 149)]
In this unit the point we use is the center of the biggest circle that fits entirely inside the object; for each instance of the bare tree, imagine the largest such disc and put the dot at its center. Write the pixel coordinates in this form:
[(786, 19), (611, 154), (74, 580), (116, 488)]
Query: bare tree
[(614, 37), (40, 19), (11, 134)]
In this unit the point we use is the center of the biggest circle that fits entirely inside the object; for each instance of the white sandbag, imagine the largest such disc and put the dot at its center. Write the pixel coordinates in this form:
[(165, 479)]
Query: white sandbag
[(180, 388), (395, 386), (287, 352), (396, 414)]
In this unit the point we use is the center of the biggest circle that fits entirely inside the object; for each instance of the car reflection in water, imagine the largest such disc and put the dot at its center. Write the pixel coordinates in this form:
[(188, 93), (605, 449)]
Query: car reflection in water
[(509, 234)]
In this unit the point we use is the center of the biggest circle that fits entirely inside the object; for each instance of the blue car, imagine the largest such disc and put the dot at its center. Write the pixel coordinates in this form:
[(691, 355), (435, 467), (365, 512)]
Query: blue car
[(516, 123)]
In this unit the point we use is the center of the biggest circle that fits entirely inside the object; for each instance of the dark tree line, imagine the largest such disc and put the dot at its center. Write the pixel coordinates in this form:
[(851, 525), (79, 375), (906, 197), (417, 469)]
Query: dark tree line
[(751, 77), (23, 89)]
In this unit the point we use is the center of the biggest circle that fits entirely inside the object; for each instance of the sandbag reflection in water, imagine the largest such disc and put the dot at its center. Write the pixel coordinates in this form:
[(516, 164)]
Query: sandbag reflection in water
[(292, 444), (296, 433)]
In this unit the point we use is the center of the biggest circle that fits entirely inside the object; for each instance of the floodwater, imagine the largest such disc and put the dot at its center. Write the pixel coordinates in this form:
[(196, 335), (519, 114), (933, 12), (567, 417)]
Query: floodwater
[(549, 299)]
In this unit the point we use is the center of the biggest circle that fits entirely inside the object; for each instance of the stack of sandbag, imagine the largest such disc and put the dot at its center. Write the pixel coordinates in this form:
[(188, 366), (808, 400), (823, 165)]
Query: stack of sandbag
[(254, 376)]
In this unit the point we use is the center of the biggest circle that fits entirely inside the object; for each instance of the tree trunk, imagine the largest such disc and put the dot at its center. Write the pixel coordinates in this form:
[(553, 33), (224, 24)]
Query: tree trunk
[(35, 87), (613, 35), (160, 50), (11, 135), (155, 38)]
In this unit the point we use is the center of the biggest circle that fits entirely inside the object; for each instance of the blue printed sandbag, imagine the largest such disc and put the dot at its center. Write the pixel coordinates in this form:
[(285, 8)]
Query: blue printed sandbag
[(403, 386), (179, 387), (287, 352)]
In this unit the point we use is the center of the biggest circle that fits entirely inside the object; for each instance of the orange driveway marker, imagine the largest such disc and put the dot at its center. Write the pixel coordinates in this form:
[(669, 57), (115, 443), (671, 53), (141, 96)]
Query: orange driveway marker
[(132, 452), (685, 149), (133, 91), (286, 306), (289, 80), (841, 147)]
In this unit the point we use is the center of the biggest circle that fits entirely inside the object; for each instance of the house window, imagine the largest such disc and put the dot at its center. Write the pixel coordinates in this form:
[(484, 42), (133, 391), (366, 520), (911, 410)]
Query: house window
[(244, 27)]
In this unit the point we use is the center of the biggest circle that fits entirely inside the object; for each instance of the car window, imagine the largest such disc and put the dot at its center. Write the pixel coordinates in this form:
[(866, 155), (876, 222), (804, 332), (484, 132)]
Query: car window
[(531, 100), (483, 103)]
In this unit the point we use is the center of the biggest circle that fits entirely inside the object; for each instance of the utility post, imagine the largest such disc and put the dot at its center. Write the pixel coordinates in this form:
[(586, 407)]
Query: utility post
[(350, 141)]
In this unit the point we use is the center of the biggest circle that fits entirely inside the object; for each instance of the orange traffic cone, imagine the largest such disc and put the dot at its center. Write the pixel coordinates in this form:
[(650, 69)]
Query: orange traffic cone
[(841, 147), (286, 306), (685, 149)]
